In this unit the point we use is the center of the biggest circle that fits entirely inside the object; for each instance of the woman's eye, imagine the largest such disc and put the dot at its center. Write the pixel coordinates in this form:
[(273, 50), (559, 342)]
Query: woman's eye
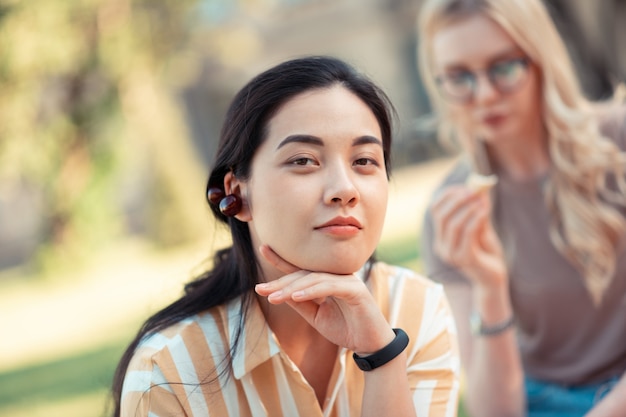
[(366, 161), (302, 161), (507, 68), (460, 78), (504, 68)]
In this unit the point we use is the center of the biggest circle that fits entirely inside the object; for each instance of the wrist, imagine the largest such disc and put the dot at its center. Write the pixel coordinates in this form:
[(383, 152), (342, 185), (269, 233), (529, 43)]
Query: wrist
[(489, 282), (488, 278), (377, 346), (479, 328), (384, 355), (492, 304)]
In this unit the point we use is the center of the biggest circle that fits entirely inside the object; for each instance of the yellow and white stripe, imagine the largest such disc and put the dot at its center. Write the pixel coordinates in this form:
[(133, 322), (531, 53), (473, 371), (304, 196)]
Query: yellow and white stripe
[(173, 373)]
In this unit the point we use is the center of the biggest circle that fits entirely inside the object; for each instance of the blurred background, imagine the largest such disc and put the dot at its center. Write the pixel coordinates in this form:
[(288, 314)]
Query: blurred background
[(109, 116)]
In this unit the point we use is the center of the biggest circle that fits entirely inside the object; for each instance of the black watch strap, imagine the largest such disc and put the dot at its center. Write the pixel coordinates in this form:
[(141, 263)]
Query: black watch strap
[(376, 359)]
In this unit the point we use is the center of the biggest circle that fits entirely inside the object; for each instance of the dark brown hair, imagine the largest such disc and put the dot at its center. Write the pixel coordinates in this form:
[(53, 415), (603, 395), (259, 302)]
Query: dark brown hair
[(235, 270)]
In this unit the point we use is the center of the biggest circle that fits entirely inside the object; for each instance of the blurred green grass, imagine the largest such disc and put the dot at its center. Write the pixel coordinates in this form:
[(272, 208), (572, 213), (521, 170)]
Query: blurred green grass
[(80, 380), (401, 251), (62, 378)]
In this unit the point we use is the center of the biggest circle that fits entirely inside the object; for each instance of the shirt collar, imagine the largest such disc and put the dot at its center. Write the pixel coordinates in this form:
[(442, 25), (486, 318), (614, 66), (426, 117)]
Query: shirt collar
[(256, 344)]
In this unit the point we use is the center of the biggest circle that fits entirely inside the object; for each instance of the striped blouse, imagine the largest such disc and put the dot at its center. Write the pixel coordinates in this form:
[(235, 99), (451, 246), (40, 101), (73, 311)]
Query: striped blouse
[(173, 372)]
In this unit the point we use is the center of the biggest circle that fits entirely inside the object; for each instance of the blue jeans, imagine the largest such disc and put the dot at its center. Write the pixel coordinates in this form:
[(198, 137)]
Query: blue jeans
[(547, 399)]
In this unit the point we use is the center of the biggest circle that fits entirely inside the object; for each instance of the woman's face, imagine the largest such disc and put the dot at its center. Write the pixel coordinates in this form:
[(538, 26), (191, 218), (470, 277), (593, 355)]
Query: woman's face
[(498, 89), (317, 194)]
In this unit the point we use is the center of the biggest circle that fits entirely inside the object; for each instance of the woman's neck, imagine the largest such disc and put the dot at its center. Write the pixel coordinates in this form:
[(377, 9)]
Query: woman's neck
[(521, 158), (311, 352), (283, 320)]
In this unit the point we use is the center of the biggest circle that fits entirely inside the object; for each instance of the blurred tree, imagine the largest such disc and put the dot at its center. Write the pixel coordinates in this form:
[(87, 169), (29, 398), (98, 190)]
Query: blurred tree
[(88, 124)]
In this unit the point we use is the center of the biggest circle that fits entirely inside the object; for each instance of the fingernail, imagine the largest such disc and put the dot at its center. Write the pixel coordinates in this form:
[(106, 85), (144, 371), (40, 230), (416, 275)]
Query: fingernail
[(298, 294), (276, 294)]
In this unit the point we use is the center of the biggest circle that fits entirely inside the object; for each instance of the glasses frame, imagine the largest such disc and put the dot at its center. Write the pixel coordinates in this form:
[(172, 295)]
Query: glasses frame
[(488, 72)]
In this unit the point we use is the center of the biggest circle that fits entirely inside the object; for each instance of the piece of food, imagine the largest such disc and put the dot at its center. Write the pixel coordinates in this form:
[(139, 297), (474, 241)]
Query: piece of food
[(480, 182)]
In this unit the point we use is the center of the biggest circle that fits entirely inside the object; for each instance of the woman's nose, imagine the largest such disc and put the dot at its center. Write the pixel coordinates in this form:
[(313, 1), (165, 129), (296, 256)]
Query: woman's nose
[(341, 188), (484, 90)]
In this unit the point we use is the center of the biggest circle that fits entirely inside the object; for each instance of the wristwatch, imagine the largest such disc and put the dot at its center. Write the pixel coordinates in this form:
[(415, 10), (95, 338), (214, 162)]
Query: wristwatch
[(479, 328)]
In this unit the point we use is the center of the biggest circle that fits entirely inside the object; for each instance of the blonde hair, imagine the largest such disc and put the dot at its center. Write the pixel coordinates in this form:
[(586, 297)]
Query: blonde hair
[(586, 225)]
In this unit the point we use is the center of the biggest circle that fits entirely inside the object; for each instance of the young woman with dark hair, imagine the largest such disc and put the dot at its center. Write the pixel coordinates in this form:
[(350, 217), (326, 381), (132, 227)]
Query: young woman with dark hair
[(296, 318)]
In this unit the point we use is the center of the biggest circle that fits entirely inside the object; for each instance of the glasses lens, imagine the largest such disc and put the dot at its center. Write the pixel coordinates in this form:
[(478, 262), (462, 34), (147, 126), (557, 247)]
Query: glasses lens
[(507, 75), (459, 86)]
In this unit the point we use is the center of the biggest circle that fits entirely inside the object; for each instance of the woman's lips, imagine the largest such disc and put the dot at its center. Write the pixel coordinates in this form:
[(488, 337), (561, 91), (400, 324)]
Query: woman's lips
[(341, 226), (494, 120), (346, 230)]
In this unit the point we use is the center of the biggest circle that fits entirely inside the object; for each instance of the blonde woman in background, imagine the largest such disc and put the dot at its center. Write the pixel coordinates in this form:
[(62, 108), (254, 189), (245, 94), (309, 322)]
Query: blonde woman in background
[(534, 266)]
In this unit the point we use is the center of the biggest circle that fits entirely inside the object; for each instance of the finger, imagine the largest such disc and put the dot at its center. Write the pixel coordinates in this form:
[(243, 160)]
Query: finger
[(456, 192), (445, 195), (489, 239), (275, 259), (446, 207), (348, 290), (470, 240), (267, 288), (454, 202), (316, 287), (454, 228)]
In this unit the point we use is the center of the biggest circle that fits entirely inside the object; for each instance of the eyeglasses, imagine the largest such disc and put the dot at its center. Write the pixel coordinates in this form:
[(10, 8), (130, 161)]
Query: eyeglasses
[(505, 76)]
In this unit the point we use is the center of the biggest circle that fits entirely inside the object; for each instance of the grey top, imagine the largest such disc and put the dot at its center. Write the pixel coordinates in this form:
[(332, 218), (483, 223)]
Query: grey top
[(562, 336)]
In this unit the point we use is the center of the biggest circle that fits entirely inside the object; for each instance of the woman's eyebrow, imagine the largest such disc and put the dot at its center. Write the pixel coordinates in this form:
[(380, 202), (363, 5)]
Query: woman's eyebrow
[(313, 140), (508, 53), (503, 54), (364, 140)]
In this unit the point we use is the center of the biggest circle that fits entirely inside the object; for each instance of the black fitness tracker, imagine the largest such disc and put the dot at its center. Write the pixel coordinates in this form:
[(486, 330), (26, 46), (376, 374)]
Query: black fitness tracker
[(376, 359)]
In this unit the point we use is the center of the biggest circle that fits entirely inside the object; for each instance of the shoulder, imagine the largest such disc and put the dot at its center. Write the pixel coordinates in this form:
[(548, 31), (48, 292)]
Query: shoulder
[(458, 173), (165, 362), (420, 307), (175, 345), (394, 275), (186, 330), (611, 119), (400, 288), (153, 369)]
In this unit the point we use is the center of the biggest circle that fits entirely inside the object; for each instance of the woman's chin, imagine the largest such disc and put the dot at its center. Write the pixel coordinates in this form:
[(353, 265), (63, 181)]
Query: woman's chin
[(344, 267)]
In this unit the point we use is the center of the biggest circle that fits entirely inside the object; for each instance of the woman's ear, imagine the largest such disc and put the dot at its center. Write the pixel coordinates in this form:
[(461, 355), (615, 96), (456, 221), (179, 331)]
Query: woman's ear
[(232, 185)]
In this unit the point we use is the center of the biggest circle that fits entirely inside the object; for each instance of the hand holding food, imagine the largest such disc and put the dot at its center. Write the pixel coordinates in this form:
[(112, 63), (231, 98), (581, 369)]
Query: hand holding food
[(479, 182)]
